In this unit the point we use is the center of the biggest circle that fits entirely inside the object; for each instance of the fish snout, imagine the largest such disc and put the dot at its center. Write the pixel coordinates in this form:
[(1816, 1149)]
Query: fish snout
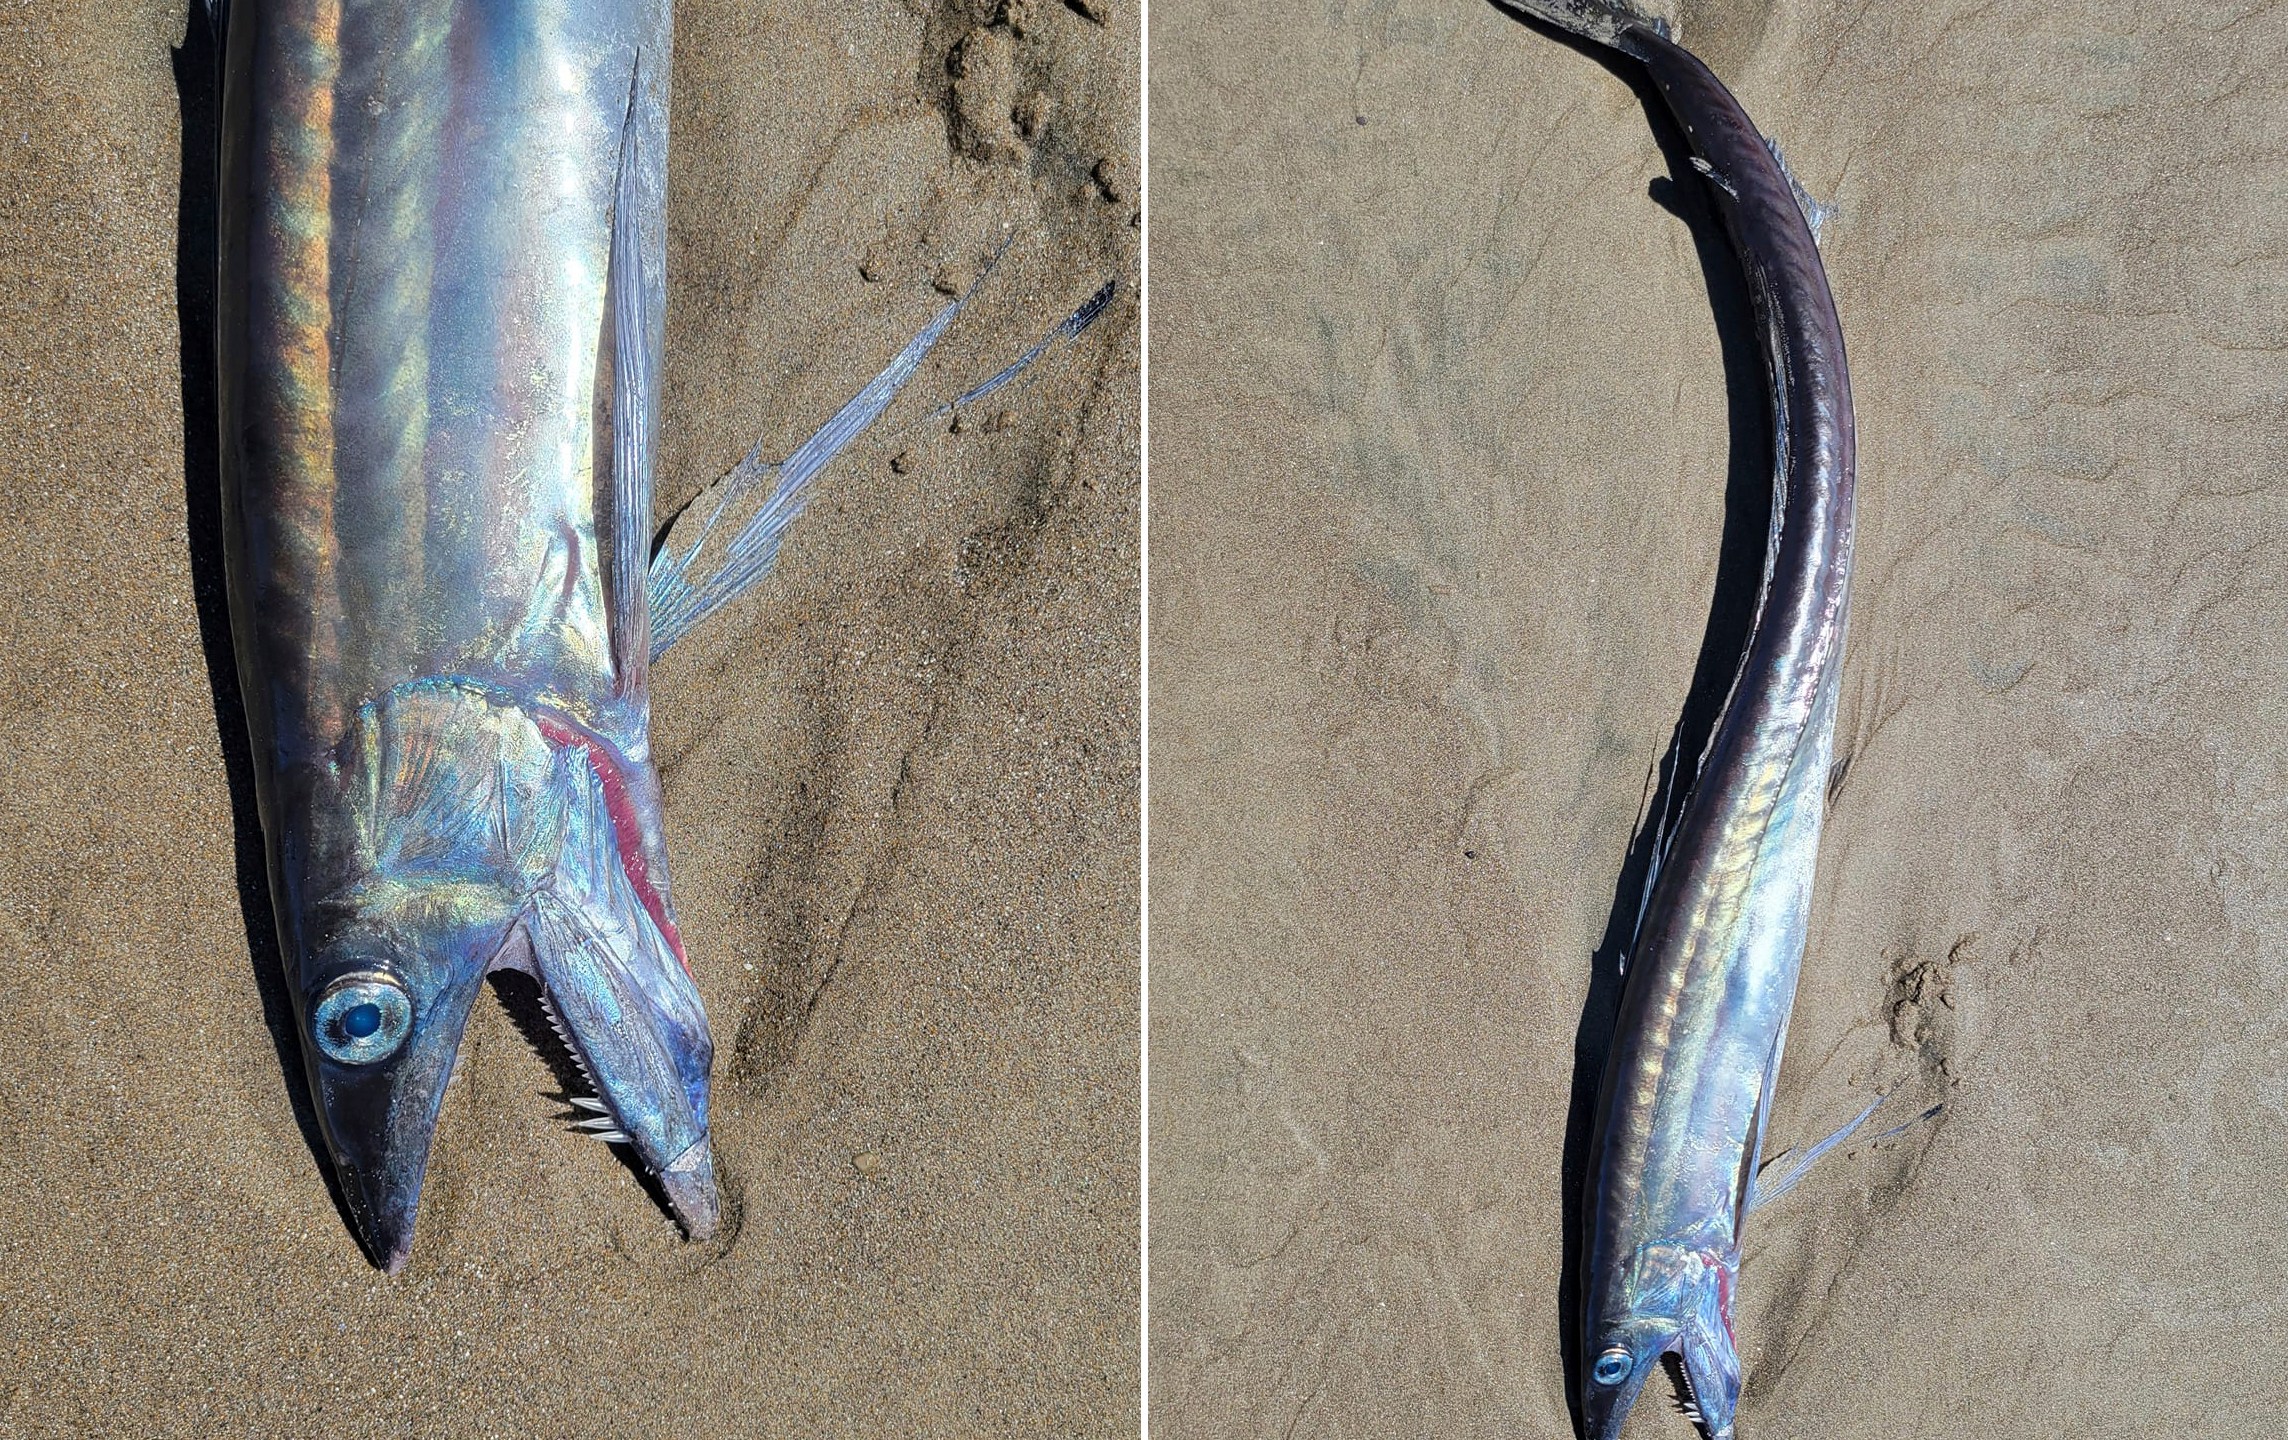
[(689, 1184), (384, 1215), (378, 1079), (1610, 1389)]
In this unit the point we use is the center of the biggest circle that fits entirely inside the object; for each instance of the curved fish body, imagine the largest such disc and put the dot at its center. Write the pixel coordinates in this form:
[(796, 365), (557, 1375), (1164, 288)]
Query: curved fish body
[(1711, 973), (440, 303)]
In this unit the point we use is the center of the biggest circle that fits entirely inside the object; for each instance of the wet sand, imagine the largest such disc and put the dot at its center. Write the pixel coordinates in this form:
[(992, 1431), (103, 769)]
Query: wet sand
[(901, 795), (1444, 464)]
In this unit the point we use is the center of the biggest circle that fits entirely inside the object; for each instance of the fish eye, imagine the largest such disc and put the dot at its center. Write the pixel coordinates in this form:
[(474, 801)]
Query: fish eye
[(362, 1018), (1613, 1366)]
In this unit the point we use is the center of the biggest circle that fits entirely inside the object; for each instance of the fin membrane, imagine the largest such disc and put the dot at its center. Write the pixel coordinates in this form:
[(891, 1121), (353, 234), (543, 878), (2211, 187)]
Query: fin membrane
[(1815, 214), (683, 592), (1066, 329)]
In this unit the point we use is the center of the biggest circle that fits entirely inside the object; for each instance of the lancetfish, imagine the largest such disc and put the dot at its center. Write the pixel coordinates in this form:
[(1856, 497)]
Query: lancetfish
[(439, 331), (1711, 971)]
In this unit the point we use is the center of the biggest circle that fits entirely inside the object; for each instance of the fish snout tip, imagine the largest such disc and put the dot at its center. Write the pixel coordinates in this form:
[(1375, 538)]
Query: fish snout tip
[(689, 1184), (387, 1238), (382, 1202)]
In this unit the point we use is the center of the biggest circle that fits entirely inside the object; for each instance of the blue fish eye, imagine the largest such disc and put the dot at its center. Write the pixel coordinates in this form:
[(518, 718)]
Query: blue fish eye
[(1612, 1367), (362, 1018)]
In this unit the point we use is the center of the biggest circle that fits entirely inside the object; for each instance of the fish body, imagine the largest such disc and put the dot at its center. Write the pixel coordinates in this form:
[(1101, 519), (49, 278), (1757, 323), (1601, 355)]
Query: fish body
[(440, 306), (1711, 972)]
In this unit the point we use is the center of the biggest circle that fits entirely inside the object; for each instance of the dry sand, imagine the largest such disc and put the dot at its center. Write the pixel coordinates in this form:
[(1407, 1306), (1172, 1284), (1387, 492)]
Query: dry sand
[(901, 797), (1441, 442)]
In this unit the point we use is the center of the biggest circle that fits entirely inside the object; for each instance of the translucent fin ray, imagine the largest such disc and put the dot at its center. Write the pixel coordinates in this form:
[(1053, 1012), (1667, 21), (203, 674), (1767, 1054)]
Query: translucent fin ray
[(681, 598), (678, 602), (1065, 330), (1762, 1194)]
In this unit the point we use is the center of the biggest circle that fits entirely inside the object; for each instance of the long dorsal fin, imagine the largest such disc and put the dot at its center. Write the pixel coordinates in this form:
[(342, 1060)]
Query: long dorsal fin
[(1815, 214)]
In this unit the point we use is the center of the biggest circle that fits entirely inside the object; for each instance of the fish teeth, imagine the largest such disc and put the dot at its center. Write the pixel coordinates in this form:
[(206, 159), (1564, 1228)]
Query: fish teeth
[(1688, 1402), (556, 1023), (611, 1137), (601, 1122), (587, 1102)]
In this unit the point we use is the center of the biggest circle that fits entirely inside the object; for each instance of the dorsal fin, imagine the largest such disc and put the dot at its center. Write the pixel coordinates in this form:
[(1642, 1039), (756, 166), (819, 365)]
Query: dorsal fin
[(1815, 214)]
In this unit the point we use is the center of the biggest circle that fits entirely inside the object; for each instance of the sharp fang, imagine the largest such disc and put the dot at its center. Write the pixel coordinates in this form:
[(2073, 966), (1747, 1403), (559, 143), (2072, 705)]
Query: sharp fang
[(556, 1023), (601, 1122), (586, 1103), (610, 1137)]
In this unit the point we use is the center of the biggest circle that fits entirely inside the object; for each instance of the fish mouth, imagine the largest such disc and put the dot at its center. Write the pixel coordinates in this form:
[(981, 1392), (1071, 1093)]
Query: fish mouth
[(383, 1189), (1688, 1400), (1606, 1420), (644, 1077), (1606, 1409)]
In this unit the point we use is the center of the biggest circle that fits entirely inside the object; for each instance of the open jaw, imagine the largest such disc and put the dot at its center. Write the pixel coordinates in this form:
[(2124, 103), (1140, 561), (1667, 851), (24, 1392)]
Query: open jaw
[(1609, 1406), (1689, 1335), (1688, 1400), (646, 1072), (639, 1095)]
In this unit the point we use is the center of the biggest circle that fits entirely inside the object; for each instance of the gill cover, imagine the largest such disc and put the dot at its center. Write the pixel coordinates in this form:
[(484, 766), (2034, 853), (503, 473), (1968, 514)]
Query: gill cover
[(1677, 1301), (479, 842)]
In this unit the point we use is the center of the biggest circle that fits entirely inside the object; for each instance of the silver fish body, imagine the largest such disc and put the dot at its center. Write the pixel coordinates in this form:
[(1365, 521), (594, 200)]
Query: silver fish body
[(1711, 972), (439, 315)]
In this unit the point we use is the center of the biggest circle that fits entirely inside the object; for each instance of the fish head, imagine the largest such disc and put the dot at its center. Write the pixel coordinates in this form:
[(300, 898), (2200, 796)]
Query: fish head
[(1674, 1300), (482, 838)]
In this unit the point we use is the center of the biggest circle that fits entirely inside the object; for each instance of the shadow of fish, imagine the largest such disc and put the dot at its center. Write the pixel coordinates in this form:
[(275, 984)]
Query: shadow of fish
[(1711, 977), (440, 308)]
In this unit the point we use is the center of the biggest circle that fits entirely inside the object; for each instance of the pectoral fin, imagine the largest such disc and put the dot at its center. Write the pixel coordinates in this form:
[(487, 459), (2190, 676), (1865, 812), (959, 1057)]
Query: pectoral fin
[(1763, 1192), (1767, 1188), (692, 578)]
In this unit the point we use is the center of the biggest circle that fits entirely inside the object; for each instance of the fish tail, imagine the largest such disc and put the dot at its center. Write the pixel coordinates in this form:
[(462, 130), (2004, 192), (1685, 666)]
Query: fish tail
[(1605, 21)]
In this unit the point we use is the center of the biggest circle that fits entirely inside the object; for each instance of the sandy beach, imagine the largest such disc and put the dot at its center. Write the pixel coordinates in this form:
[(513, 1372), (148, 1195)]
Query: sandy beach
[(1449, 391), (902, 800)]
